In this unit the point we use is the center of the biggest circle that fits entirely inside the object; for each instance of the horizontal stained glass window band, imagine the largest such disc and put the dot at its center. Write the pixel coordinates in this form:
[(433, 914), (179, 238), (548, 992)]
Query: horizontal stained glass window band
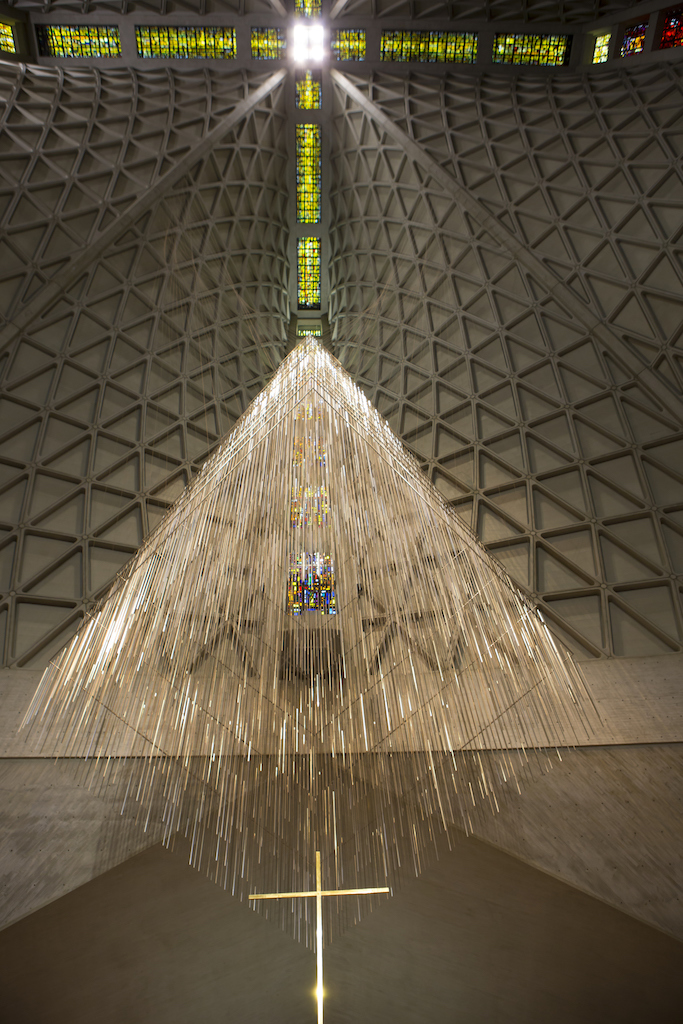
[(78, 41), (672, 34), (7, 42), (538, 50), (429, 47), (634, 39), (308, 258), (348, 44), (268, 43), (601, 48), (187, 42)]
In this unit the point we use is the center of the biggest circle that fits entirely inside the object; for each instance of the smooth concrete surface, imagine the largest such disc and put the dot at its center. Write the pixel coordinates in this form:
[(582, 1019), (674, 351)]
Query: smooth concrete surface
[(57, 834), (608, 820), (478, 938)]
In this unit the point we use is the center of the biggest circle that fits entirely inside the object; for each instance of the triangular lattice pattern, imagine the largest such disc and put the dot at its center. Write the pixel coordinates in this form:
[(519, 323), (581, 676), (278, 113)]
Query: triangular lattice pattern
[(569, 467), (78, 149), (117, 393)]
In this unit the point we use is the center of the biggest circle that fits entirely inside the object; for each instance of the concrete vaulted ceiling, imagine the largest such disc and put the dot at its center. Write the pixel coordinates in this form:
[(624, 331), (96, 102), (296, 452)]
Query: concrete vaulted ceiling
[(504, 282), (504, 271)]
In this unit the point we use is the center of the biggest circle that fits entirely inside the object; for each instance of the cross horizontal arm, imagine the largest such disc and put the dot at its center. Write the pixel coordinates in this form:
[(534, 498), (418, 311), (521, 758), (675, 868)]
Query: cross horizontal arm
[(313, 892)]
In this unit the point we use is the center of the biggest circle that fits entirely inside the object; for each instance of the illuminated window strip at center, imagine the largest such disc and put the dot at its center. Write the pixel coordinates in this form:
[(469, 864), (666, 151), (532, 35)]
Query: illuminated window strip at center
[(186, 43), (672, 34), (348, 44), (308, 253), (634, 39), (601, 48), (268, 43), (522, 49), (78, 41), (309, 94), (308, 173), (429, 47), (308, 8), (7, 42)]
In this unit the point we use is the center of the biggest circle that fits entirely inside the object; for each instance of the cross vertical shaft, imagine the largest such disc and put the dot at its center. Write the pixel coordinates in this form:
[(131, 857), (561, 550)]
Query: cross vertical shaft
[(318, 892), (319, 933)]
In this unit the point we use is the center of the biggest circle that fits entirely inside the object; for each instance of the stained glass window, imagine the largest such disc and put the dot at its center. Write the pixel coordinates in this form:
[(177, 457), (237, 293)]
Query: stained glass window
[(308, 173), (446, 47), (311, 584), (308, 253), (268, 43), (78, 41), (309, 93), (308, 8), (634, 39), (673, 29), (348, 44), (315, 330), (310, 507), (601, 48), (185, 43), (7, 42), (521, 49)]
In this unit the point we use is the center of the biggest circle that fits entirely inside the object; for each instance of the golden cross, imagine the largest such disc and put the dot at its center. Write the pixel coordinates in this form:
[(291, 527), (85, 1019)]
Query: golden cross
[(318, 892)]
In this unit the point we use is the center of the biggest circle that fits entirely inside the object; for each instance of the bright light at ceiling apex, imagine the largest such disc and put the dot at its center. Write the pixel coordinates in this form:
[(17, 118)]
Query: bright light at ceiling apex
[(308, 44)]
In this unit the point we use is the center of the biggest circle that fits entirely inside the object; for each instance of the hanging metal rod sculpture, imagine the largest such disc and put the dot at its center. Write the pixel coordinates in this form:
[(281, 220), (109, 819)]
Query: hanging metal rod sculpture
[(311, 652)]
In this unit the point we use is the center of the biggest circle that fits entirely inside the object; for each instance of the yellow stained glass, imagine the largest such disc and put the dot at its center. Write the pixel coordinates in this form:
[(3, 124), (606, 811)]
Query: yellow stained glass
[(309, 93), (186, 43), (268, 43), (634, 39), (308, 253), (308, 8), (521, 49), (601, 48), (429, 47), (308, 173), (348, 44), (78, 41), (7, 42)]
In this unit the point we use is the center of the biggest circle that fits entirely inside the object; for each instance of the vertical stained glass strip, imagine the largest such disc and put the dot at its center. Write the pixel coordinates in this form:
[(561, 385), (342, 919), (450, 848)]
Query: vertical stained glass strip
[(78, 41), (7, 42), (308, 8), (309, 93), (308, 253), (521, 49), (311, 584), (601, 48), (429, 47), (348, 44), (169, 43), (673, 29), (634, 39), (268, 43), (308, 173)]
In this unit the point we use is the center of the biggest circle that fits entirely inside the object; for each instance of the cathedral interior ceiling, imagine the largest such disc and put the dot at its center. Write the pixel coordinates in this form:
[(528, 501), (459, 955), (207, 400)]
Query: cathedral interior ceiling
[(560, 443)]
